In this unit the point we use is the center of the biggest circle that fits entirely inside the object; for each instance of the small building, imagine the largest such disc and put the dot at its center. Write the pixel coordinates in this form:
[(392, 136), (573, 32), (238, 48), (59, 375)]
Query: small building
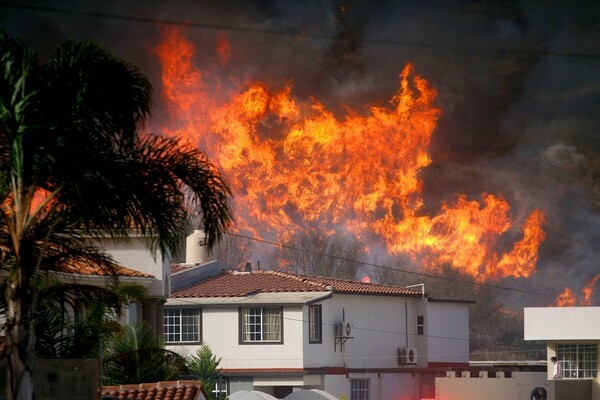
[(572, 335)]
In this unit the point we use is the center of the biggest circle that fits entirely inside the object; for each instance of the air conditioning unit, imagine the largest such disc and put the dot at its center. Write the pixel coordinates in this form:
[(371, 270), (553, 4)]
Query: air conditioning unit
[(411, 355), (407, 355), (401, 356), (344, 329)]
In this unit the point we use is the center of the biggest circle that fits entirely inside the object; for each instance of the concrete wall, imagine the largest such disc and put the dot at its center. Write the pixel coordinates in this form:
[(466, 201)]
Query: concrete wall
[(562, 323), (66, 379), (383, 386), (195, 273), (570, 389), (517, 387)]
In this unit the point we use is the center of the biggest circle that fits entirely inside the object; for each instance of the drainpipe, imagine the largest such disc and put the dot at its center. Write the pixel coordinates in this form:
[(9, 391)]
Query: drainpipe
[(406, 322)]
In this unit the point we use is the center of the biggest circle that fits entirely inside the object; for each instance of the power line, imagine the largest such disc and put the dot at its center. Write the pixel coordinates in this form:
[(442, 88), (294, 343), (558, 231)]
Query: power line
[(369, 331), (281, 245), (300, 34)]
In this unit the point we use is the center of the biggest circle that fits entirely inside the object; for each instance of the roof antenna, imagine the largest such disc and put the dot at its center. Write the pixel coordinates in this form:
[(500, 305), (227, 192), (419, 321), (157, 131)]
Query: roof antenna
[(258, 265)]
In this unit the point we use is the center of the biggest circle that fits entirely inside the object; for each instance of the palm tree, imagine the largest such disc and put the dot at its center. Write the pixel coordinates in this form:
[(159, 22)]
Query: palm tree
[(137, 355), (72, 165), (72, 319), (204, 365)]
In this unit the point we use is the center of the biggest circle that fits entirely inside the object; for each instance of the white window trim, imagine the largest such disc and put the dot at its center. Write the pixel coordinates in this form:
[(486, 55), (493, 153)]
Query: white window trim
[(360, 389), (168, 335), (570, 367)]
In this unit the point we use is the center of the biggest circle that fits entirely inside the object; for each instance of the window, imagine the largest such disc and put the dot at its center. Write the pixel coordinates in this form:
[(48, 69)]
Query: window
[(359, 389), (314, 324), (220, 389), (578, 361), (182, 325), (261, 324), (420, 325)]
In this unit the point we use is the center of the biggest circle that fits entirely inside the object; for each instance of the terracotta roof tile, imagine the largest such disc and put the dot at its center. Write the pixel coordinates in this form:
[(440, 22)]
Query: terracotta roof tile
[(172, 390), (240, 284), (87, 269)]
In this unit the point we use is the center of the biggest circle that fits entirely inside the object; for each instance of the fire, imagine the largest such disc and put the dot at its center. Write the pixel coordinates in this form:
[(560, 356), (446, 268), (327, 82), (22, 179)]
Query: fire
[(588, 290), (568, 299), (293, 164)]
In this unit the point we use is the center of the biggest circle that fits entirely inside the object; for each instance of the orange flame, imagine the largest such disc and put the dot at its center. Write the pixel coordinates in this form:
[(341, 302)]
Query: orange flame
[(223, 49), (588, 290), (293, 164), (566, 299)]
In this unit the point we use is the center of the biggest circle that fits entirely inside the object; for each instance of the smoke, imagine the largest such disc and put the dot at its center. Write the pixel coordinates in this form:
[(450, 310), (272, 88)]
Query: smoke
[(517, 84)]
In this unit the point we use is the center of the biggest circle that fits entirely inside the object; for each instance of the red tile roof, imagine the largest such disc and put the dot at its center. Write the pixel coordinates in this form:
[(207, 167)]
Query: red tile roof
[(173, 390), (239, 284), (88, 269)]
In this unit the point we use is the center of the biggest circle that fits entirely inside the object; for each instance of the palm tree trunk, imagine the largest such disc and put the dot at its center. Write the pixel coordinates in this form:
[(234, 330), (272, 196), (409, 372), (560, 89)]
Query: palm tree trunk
[(20, 339)]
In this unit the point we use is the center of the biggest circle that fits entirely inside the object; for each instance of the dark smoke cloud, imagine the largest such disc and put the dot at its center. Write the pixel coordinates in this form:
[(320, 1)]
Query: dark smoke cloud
[(521, 117)]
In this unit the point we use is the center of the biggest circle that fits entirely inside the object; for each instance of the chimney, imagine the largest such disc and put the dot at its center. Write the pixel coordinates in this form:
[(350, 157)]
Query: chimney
[(195, 250), (248, 267)]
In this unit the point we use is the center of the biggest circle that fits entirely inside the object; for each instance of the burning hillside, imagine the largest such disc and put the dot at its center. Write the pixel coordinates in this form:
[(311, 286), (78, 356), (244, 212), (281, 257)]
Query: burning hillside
[(314, 116), (293, 164)]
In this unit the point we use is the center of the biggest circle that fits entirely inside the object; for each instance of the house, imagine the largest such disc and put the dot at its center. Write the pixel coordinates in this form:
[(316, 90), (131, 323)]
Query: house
[(572, 335), (279, 332), (143, 268), (137, 266)]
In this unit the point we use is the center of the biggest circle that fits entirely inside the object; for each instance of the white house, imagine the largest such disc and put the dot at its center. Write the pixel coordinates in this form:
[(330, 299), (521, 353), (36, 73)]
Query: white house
[(133, 253), (137, 265), (279, 332), (572, 335)]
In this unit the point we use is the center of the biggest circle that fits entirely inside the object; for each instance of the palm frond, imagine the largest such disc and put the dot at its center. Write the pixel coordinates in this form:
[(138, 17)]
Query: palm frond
[(138, 355)]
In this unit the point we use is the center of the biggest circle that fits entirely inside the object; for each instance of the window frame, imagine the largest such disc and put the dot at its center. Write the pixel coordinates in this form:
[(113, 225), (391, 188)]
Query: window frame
[(221, 389), (197, 314), (360, 389), (242, 324), (420, 325), (318, 325), (579, 359)]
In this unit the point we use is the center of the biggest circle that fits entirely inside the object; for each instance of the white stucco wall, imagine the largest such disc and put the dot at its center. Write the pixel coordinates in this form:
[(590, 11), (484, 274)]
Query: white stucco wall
[(379, 328), (220, 330), (562, 323), (447, 330), (135, 255)]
